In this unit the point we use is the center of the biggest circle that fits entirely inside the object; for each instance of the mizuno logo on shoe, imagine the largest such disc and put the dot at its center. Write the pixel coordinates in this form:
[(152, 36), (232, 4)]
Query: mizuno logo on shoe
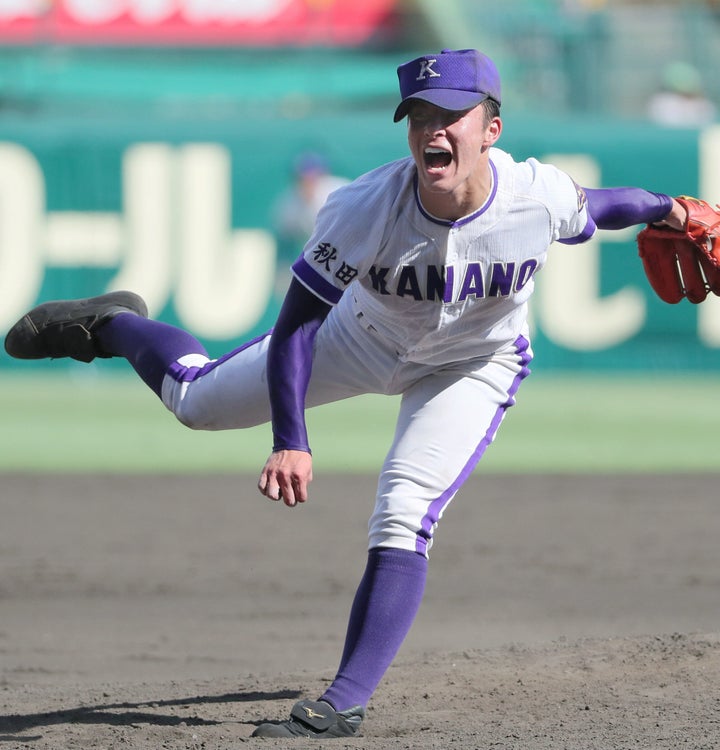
[(312, 714)]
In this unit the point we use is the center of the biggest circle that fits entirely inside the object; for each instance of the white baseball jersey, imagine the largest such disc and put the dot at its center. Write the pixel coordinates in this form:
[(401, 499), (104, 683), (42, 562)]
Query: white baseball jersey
[(432, 309), (441, 291)]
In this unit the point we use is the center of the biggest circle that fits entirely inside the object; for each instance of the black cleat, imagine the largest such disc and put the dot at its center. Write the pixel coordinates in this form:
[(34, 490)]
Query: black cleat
[(65, 328), (316, 719)]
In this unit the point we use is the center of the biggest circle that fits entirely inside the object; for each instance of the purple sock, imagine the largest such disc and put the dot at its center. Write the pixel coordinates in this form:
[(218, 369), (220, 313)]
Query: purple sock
[(148, 345), (385, 606)]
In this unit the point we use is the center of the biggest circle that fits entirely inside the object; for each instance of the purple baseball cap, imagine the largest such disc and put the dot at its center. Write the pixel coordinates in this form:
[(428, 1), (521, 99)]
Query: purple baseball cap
[(454, 79)]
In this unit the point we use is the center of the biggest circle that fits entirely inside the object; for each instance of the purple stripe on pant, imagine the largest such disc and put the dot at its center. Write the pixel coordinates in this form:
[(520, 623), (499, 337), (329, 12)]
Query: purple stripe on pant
[(437, 506), (181, 374)]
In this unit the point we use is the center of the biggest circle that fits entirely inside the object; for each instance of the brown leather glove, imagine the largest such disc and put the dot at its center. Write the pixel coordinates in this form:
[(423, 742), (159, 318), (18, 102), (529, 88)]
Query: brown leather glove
[(684, 264)]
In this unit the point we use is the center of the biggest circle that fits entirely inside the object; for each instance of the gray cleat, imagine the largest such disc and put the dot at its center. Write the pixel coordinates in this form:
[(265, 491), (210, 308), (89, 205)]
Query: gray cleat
[(316, 719), (65, 328)]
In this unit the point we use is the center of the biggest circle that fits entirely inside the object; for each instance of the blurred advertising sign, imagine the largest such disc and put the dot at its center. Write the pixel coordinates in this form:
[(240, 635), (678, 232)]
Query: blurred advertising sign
[(245, 22), (22, 20)]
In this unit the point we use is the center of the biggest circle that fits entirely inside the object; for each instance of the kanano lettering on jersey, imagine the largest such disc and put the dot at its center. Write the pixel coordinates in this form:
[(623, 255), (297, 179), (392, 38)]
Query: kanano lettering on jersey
[(438, 283)]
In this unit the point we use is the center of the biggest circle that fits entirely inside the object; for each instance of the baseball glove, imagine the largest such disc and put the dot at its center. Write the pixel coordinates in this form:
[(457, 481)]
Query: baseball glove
[(684, 264)]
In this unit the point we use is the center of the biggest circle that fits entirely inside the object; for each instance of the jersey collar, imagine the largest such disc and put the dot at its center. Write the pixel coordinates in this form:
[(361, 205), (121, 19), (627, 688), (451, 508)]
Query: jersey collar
[(465, 219)]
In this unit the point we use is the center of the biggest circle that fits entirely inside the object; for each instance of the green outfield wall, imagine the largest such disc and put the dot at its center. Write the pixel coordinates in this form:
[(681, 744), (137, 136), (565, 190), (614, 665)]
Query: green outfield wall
[(180, 209)]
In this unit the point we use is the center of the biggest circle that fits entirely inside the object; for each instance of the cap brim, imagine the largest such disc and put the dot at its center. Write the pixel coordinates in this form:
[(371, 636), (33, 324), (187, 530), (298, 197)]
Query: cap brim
[(451, 99)]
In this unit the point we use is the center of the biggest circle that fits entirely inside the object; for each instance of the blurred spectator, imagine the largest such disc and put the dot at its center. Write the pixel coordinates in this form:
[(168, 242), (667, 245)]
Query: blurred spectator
[(294, 211), (681, 101), (296, 208)]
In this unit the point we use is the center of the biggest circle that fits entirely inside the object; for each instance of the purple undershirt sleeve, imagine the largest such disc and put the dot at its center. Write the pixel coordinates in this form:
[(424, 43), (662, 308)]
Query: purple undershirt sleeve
[(617, 208), (289, 364)]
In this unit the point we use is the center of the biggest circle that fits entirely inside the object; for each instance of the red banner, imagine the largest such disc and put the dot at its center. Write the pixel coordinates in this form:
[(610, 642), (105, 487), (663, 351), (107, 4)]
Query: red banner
[(196, 22), (22, 20)]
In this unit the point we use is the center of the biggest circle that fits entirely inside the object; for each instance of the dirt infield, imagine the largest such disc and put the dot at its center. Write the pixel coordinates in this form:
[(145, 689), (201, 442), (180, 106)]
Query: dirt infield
[(177, 613)]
